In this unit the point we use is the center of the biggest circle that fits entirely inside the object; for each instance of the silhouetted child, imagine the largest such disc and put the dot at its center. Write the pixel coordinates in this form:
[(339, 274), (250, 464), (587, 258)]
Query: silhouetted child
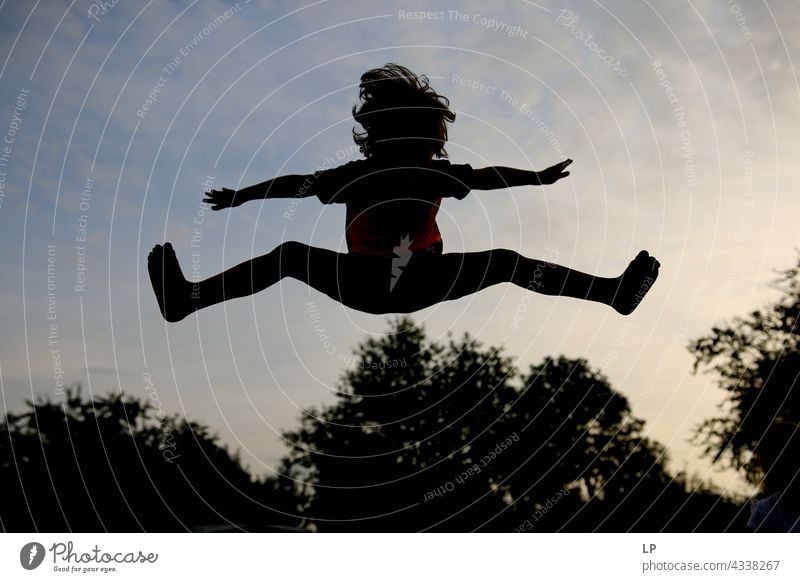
[(395, 262), (778, 458)]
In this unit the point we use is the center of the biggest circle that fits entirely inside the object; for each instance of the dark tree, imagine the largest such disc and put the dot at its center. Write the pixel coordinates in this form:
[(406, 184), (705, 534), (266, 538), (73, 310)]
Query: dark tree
[(582, 436), (450, 437), (406, 426), (757, 363), (114, 464)]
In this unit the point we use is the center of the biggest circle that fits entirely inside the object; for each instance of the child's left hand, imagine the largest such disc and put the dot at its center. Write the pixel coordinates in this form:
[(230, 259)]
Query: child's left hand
[(554, 173)]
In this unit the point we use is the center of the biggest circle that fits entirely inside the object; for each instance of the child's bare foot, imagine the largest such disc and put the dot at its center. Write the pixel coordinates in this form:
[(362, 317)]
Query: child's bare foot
[(172, 290), (635, 282)]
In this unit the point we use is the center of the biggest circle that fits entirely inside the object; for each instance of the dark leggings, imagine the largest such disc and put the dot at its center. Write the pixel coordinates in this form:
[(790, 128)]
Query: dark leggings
[(398, 285)]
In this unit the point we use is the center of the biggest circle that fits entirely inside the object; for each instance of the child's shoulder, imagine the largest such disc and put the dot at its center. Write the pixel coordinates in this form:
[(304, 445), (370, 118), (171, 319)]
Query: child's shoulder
[(372, 164)]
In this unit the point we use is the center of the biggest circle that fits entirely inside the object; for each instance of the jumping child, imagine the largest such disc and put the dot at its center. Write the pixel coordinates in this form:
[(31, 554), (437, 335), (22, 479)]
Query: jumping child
[(395, 262)]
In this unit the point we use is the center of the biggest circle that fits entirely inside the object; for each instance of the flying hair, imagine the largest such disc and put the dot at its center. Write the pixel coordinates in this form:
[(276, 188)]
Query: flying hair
[(400, 112)]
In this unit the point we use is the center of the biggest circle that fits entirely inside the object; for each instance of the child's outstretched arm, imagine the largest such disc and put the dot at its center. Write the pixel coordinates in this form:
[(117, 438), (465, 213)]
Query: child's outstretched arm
[(289, 186), (495, 177)]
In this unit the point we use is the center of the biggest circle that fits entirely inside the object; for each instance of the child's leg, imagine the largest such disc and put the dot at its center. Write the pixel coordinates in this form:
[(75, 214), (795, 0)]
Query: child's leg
[(335, 274), (365, 283), (455, 275)]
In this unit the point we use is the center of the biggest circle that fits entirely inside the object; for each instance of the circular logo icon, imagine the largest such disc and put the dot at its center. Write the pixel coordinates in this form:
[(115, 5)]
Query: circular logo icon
[(31, 555)]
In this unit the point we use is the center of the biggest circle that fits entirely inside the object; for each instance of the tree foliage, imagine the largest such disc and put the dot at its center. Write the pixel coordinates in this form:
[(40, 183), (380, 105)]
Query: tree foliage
[(456, 439), (114, 463), (424, 436), (757, 363)]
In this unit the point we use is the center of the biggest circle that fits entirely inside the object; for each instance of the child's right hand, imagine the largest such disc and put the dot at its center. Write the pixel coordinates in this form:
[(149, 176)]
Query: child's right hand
[(554, 173), (224, 198)]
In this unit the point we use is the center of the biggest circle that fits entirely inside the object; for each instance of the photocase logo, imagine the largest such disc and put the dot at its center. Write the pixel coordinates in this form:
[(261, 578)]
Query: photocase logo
[(31, 555), (402, 254)]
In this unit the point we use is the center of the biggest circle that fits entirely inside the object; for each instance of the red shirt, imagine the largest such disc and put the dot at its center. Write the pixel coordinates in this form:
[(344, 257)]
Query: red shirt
[(390, 206)]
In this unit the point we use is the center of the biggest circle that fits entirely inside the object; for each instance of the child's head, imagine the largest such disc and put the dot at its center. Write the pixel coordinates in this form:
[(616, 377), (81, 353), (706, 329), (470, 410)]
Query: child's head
[(402, 116)]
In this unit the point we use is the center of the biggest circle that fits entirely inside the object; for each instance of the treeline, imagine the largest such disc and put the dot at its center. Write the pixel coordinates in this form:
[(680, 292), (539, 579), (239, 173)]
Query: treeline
[(455, 439)]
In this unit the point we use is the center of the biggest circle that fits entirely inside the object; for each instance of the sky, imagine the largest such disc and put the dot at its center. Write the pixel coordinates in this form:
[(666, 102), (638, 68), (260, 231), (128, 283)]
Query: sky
[(681, 119)]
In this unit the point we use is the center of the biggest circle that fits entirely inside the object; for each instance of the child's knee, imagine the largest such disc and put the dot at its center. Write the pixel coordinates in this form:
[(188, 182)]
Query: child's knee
[(509, 260), (291, 249)]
